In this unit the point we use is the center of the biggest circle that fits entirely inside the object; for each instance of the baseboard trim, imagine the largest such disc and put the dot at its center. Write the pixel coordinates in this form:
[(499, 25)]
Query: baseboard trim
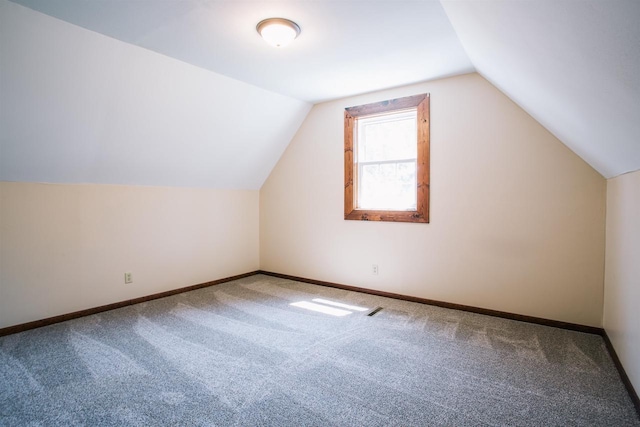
[(89, 311), (623, 374), (495, 313)]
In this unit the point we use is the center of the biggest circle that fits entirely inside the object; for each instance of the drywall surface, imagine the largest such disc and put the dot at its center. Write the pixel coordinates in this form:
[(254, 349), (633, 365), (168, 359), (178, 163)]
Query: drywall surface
[(65, 248), (573, 65), (80, 107), (622, 271), (221, 36), (517, 219)]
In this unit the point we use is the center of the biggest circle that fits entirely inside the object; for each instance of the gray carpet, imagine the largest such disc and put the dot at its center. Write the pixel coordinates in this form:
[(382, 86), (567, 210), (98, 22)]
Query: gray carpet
[(239, 354)]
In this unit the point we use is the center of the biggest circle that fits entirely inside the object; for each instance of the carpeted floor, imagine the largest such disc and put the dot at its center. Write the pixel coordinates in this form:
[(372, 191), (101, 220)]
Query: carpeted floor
[(240, 354)]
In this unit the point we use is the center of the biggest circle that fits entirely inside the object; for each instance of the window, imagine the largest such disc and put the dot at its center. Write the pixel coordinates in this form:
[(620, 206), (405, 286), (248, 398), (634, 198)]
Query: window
[(386, 160)]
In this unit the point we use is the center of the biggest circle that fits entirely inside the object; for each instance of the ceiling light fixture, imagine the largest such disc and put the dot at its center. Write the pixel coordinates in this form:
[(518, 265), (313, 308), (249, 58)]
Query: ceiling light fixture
[(278, 32)]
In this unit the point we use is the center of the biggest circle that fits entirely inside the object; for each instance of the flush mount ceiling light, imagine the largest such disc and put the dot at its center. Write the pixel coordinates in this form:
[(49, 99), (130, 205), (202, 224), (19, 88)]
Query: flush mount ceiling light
[(278, 32)]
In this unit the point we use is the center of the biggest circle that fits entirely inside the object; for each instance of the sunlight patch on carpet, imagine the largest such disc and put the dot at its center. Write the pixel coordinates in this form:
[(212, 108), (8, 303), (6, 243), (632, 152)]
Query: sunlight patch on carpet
[(321, 308), (339, 304)]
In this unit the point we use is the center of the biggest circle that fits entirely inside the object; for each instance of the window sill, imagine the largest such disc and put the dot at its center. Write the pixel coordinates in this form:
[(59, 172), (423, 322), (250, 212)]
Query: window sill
[(391, 216)]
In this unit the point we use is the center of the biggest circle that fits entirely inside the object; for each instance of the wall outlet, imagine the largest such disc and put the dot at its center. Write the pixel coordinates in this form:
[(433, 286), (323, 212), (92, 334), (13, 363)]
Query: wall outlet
[(128, 278), (374, 269)]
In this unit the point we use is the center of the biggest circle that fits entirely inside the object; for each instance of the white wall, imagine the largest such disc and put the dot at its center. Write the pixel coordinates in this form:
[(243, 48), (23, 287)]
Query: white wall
[(65, 248), (622, 271), (517, 219)]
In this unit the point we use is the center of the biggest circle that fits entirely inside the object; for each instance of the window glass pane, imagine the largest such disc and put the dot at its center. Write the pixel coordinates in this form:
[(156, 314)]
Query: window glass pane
[(386, 157), (387, 186), (388, 137)]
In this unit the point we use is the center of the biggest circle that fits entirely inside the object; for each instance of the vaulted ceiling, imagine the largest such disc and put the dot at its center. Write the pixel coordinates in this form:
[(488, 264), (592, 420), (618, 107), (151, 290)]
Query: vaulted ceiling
[(345, 48), (573, 65)]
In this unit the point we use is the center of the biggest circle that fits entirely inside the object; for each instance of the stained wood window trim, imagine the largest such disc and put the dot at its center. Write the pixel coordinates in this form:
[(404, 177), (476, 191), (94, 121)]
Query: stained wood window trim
[(351, 115)]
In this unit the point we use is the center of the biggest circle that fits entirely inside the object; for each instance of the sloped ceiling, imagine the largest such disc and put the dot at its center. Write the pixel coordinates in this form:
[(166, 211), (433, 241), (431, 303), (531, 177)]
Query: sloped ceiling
[(79, 107), (346, 47), (573, 65), (185, 92)]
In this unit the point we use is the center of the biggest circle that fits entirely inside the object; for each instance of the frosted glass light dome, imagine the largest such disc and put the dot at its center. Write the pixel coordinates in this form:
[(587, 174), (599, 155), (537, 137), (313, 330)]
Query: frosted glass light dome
[(278, 32)]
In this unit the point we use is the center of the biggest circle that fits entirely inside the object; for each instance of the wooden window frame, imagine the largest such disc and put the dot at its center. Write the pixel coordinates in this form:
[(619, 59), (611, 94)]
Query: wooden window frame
[(351, 115)]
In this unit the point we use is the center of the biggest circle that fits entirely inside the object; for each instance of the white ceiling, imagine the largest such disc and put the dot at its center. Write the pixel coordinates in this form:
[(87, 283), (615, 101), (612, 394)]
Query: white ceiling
[(345, 48), (572, 64), (79, 107)]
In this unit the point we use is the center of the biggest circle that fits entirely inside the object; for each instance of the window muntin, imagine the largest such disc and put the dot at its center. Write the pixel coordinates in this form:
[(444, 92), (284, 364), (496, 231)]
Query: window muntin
[(387, 182)]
